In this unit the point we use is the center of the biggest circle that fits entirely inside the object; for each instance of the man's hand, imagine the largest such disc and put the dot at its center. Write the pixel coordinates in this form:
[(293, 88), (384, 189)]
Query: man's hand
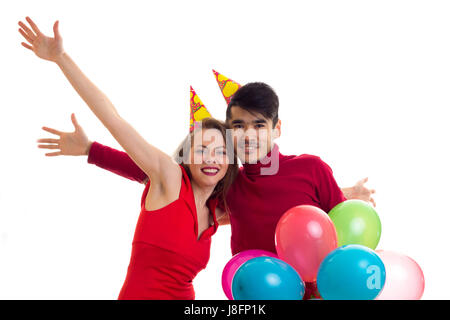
[(69, 143), (359, 191)]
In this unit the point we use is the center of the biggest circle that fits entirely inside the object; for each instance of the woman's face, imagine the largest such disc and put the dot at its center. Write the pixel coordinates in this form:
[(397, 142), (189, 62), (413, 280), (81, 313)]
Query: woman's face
[(209, 161)]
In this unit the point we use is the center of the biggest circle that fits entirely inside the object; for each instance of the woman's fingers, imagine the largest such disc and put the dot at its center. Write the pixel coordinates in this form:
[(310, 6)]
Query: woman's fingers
[(26, 36), (49, 140), (56, 30), (33, 26), (52, 154), (54, 131), (27, 46), (49, 146), (27, 30)]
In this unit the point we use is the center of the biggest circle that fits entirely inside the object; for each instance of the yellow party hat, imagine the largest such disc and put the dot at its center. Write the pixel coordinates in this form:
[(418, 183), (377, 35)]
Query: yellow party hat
[(227, 86), (198, 110)]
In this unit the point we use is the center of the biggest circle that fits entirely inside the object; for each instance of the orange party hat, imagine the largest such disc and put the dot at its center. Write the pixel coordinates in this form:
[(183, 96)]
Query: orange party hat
[(198, 110), (226, 85)]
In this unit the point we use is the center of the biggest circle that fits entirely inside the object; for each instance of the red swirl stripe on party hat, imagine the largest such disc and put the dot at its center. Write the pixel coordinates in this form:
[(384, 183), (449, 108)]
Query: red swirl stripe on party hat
[(198, 110), (227, 86)]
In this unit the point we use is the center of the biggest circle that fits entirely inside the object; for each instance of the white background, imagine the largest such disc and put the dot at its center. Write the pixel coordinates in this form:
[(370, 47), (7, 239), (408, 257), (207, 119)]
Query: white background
[(362, 84)]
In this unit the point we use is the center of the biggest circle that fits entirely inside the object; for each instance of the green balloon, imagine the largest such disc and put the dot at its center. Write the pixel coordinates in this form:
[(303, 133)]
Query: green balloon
[(356, 222)]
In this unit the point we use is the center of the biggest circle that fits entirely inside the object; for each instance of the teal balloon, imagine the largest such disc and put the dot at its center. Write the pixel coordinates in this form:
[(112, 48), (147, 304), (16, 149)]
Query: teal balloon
[(356, 222), (267, 278), (351, 272)]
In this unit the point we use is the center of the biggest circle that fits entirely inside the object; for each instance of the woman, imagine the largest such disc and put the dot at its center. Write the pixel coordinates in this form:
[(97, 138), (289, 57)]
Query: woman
[(77, 143), (173, 235)]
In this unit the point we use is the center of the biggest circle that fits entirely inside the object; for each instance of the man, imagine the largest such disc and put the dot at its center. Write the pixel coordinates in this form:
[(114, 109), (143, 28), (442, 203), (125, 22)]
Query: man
[(268, 184)]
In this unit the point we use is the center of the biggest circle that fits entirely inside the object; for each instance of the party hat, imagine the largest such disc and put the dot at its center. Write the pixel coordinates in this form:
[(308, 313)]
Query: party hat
[(198, 110), (226, 85)]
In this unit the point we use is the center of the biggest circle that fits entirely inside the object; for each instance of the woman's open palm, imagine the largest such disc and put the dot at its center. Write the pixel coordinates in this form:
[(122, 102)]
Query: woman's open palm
[(44, 47)]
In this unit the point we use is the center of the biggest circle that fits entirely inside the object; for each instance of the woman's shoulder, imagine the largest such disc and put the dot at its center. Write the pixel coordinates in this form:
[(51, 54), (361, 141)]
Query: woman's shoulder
[(175, 183), (163, 192)]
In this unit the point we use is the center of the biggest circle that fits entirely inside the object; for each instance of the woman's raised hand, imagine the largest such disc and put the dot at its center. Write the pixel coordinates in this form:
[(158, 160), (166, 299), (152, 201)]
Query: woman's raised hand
[(44, 47), (69, 143)]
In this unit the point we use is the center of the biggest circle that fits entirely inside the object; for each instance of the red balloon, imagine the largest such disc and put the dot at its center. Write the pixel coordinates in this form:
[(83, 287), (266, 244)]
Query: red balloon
[(304, 236)]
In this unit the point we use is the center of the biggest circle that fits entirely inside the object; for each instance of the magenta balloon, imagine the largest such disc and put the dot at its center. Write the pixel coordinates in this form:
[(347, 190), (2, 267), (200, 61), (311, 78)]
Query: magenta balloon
[(235, 262), (304, 236), (404, 277)]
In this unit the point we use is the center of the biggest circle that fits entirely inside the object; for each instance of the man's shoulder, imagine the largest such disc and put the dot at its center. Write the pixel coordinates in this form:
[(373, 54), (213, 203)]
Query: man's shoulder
[(304, 160)]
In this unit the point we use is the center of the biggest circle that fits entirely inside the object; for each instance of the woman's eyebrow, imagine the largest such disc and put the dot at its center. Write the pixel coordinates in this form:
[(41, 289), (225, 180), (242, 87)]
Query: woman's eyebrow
[(205, 147)]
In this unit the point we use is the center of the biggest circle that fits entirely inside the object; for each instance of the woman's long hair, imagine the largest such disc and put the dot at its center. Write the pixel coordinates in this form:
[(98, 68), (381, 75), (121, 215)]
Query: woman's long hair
[(182, 156)]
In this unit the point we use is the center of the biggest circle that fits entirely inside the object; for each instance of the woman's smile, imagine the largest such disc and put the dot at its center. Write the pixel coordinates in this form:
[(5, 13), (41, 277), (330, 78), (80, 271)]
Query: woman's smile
[(210, 171)]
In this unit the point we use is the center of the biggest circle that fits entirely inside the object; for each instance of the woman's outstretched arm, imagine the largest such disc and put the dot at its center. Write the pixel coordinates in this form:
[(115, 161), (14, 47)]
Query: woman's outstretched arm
[(159, 167)]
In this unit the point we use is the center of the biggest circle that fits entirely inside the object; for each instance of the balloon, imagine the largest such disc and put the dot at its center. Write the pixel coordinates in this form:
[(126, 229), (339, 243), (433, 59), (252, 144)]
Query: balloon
[(267, 278), (311, 291), (303, 237), (404, 278), (356, 222), (235, 262), (351, 272)]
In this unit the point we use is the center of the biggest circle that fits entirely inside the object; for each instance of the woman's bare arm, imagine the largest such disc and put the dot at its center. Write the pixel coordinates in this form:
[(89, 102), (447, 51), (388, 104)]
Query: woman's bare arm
[(160, 168)]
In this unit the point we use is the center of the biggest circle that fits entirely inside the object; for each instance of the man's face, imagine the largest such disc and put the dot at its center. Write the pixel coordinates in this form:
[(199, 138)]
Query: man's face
[(253, 134)]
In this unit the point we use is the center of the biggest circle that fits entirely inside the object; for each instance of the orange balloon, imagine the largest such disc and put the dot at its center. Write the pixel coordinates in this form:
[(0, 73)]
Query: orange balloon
[(304, 236)]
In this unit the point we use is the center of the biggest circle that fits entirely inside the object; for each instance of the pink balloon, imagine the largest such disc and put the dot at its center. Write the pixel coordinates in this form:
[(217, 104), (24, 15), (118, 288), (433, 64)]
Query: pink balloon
[(304, 236), (404, 277), (235, 262)]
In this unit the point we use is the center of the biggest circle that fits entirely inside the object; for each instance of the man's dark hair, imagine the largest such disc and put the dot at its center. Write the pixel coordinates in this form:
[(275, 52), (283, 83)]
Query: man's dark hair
[(256, 97)]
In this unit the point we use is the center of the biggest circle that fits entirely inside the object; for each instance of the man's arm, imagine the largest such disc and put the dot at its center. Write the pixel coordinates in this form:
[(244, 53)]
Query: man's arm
[(360, 191), (76, 143), (328, 191), (118, 162)]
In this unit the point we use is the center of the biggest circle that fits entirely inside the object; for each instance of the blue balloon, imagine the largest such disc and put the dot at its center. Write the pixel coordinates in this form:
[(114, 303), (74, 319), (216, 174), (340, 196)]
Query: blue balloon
[(351, 272), (267, 278)]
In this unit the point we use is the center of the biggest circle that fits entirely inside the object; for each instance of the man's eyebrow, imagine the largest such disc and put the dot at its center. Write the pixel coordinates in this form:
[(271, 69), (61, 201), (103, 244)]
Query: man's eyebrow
[(259, 121), (253, 121)]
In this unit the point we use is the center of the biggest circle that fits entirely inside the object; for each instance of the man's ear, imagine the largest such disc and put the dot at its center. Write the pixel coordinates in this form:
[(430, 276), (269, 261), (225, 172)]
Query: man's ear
[(277, 129)]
